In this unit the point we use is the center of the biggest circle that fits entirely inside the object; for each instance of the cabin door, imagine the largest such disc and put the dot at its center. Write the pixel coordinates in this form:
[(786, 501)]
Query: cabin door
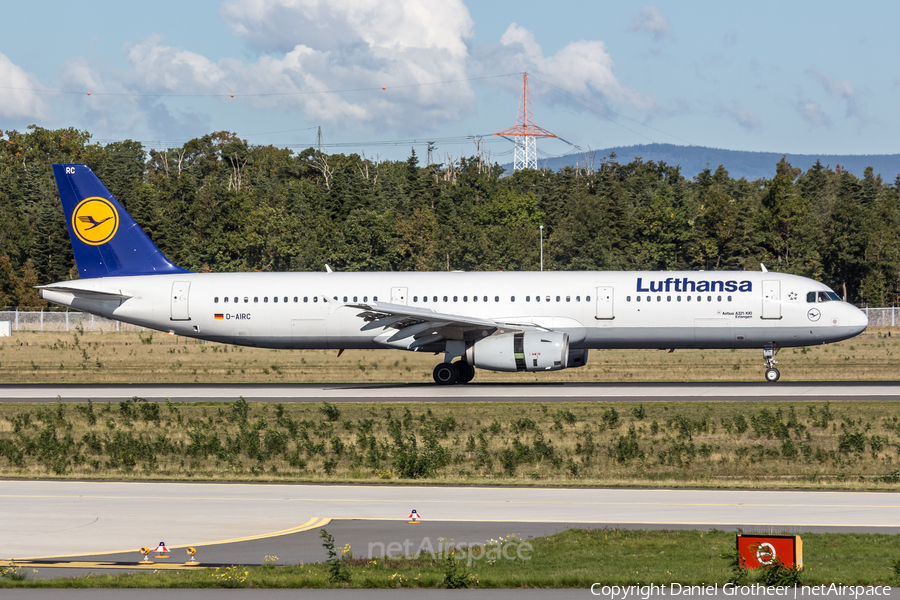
[(605, 304), (180, 291), (771, 306)]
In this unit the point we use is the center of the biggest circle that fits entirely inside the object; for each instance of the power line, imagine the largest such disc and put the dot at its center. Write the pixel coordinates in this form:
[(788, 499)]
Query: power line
[(259, 94)]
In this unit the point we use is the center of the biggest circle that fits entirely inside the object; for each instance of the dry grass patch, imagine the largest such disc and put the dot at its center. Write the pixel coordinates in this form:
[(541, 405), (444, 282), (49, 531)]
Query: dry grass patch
[(59, 357), (837, 445)]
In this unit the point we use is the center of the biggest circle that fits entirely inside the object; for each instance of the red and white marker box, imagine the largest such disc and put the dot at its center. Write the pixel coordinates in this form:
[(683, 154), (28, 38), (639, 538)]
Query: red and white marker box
[(761, 550)]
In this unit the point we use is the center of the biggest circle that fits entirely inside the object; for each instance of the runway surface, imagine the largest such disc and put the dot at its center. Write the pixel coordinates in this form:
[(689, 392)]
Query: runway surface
[(473, 392), (67, 518)]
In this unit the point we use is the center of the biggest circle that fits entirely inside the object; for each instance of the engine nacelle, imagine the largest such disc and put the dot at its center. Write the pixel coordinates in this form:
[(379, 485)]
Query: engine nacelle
[(528, 351), (576, 358)]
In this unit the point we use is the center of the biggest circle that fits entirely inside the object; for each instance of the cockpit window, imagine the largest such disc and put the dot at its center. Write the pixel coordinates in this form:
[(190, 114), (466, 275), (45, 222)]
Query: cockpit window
[(822, 297)]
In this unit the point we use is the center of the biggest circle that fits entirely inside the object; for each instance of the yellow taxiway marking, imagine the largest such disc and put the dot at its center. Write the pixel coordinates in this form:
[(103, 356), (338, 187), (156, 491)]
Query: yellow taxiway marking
[(26, 563), (313, 523)]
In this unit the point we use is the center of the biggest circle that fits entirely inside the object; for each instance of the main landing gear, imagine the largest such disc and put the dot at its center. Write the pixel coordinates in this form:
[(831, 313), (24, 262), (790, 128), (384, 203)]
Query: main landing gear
[(450, 373), (772, 373)]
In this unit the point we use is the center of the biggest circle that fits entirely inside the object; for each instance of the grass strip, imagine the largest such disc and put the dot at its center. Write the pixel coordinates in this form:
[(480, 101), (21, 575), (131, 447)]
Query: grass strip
[(750, 444), (575, 558), (152, 357)]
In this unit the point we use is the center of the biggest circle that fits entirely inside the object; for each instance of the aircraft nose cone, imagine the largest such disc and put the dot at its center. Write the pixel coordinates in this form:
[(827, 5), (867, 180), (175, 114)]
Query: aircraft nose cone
[(858, 319)]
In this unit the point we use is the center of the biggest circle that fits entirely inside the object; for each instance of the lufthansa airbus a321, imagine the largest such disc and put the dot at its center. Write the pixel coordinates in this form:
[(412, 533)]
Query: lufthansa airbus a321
[(507, 321)]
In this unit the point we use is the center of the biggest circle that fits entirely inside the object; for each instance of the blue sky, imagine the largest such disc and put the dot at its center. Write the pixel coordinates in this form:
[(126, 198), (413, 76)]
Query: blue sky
[(798, 77)]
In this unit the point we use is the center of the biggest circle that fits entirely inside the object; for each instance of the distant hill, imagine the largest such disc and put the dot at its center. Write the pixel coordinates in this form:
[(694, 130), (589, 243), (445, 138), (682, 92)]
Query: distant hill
[(752, 165)]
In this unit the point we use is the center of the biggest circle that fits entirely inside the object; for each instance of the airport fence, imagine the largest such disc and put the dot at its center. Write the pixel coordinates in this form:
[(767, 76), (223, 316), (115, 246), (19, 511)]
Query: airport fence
[(13, 319)]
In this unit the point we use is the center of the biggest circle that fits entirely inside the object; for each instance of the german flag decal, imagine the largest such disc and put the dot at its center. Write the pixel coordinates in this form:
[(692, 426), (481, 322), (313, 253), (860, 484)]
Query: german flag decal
[(219, 317)]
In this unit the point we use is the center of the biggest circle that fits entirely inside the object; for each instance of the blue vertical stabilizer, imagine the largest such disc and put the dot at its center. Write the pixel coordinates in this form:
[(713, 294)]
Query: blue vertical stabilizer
[(105, 239)]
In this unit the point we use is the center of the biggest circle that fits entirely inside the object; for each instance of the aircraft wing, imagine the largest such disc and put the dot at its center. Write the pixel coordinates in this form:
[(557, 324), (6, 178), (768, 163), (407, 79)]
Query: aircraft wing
[(426, 326)]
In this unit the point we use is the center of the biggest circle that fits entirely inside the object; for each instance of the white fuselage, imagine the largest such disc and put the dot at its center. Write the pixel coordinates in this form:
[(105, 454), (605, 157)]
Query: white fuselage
[(650, 309)]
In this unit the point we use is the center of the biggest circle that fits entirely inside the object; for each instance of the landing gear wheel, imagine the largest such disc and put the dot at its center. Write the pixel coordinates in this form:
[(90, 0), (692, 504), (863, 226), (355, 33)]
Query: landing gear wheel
[(466, 372), (772, 375), (445, 374)]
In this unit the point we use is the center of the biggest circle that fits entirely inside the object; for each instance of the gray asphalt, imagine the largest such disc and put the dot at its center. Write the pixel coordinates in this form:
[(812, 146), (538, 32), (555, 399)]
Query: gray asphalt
[(473, 392), (57, 518)]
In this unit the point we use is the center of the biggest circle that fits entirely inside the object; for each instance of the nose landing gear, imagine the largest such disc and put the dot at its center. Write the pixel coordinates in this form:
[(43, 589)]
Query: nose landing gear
[(772, 374)]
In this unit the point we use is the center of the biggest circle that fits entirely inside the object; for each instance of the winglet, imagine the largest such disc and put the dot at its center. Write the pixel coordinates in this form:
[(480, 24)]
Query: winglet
[(105, 239)]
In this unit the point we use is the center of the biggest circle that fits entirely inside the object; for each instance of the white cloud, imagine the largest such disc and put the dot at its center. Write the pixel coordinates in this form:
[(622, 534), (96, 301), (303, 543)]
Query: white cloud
[(649, 19), (813, 113), (842, 90), (319, 47), (743, 117), (582, 68), (17, 101)]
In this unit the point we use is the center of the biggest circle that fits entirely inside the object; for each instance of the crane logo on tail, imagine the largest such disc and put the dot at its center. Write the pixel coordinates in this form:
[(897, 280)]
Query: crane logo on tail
[(95, 221)]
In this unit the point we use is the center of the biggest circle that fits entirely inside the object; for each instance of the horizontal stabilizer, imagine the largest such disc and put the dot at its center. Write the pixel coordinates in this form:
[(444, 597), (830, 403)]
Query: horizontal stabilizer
[(81, 293)]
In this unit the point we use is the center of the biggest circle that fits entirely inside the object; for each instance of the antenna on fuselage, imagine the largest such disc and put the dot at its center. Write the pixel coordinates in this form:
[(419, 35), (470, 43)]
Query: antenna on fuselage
[(328, 269), (764, 269)]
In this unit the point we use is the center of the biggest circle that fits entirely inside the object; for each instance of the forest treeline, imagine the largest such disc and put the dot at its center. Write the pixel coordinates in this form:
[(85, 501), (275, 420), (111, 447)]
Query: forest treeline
[(220, 204)]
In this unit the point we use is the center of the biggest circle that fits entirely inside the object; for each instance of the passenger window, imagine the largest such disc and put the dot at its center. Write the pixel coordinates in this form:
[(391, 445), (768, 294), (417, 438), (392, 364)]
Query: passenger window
[(688, 298), (537, 298), (649, 298), (274, 298), (445, 298), (434, 298), (256, 299), (345, 298), (285, 299), (729, 298), (474, 298), (659, 298), (638, 298), (315, 298), (587, 298), (266, 299), (718, 298), (678, 298), (424, 298), (455, 298), (296, 299), (699, 298), (465, 298), (356, 298), (374, 298), (577, 298), (216, 299), (557, 298), (512, 298), (548, 298), (365, 298), (627, 298), (527, 298), (415, 298), (485, 298), (496, 298), (226, 298), (709, 298), (306, 298), (246, 299), (568, 298), (668, 298)]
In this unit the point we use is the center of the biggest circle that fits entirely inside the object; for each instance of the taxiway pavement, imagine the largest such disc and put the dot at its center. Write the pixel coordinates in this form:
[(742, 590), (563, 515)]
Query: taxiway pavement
[(473, 392)]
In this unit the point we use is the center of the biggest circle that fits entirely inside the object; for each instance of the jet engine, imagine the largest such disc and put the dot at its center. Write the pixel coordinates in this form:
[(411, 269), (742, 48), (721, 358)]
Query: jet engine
[(527, 351)]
